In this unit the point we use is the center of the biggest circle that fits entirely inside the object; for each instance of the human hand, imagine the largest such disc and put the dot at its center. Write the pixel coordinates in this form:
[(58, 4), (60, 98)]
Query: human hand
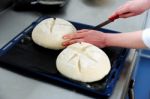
[(131, 8), (90, 36)]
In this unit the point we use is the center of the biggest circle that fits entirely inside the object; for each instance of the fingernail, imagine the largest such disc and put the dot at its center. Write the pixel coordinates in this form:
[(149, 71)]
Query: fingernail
[(64, 44), (64, 37)]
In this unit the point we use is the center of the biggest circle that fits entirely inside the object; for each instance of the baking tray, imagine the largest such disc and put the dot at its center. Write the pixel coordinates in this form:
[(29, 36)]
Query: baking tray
[(23, 56)]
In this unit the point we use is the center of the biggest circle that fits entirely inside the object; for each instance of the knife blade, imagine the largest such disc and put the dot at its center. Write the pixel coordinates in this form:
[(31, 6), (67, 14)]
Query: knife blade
[(106, 22)]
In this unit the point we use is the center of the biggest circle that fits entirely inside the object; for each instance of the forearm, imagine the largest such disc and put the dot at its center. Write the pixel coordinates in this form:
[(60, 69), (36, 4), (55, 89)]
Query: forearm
[(127, 40)]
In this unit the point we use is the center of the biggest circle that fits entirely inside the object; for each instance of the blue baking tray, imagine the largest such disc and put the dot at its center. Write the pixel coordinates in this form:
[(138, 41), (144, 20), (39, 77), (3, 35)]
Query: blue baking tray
[(23, 56)]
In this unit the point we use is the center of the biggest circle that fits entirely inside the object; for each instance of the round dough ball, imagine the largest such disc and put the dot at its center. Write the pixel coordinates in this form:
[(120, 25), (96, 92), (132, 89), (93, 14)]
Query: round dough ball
[(83, 62), (49, 33)]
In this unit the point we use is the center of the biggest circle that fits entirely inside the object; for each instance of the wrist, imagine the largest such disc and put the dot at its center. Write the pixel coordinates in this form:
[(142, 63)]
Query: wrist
[(106, 40), (113, 39)]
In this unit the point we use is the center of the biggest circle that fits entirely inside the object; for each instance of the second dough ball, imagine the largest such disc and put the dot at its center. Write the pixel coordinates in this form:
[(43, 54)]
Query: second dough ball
[(49, 33), (83, 62)]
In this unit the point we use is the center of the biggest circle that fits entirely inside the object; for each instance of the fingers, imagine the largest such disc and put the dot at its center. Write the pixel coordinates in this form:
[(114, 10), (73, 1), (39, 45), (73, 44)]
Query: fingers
[(76, 41), (126, 8), (127, 15), (122, 15), (83, 30), (113, 15), (77, 35), (116, 13), (72, 42), (123, 11), (73, 36)]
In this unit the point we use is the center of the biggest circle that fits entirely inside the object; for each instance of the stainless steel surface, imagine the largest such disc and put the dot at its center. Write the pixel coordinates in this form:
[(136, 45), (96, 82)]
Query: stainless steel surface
[(14, 86), (49, 2), (11, 23), (121, 88)]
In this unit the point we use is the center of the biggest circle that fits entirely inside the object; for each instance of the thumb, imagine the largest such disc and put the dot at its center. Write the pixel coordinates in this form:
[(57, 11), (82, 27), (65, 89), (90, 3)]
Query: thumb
[(113, 15), (123, 9), (116, 13)]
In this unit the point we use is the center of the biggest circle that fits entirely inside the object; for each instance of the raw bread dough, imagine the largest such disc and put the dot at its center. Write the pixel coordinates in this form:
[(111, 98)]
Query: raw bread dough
[(49, 33), (83, 62)]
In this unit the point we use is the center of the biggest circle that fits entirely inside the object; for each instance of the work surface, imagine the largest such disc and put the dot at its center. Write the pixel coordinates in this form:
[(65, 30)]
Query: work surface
[(14, 86)]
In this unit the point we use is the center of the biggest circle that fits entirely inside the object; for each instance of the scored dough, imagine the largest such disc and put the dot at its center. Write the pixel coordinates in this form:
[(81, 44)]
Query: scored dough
[(49, 33), (83, 62)]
